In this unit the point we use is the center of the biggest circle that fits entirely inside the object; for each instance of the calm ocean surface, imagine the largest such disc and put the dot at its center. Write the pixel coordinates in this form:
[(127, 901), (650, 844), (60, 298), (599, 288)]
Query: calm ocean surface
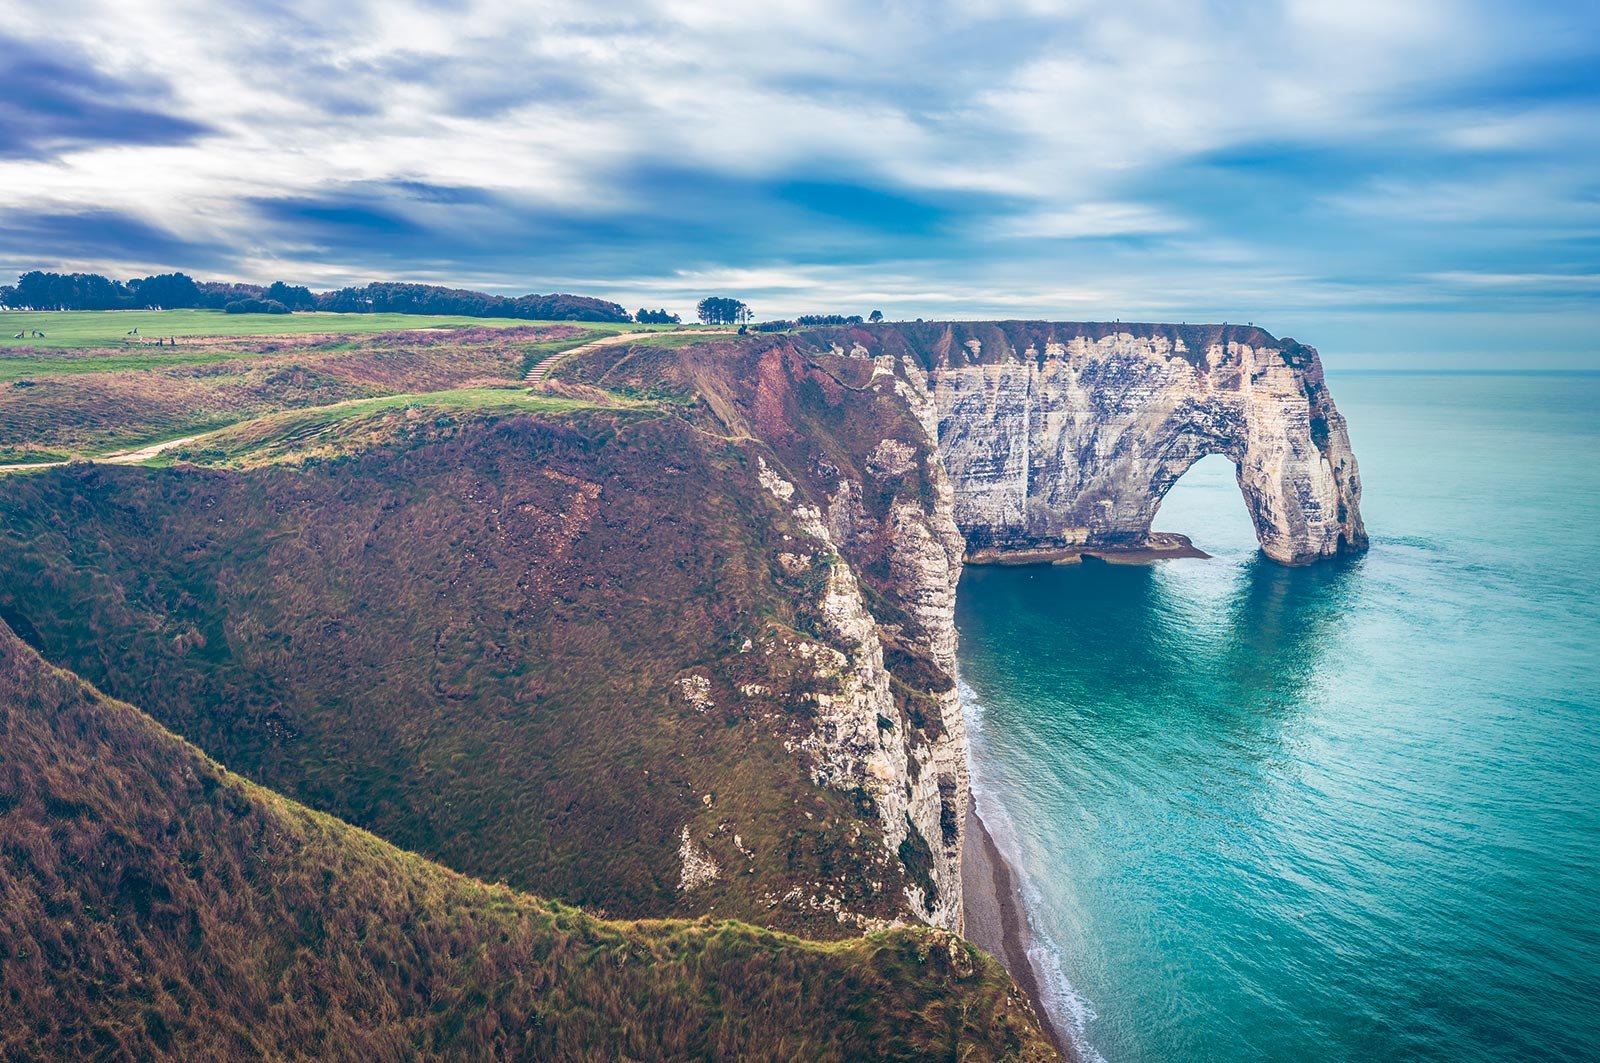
[(1348, 812)]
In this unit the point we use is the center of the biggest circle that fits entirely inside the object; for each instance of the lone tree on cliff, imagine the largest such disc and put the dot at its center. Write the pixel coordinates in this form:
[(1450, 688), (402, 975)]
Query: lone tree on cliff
[(716, 310), (875, 317)]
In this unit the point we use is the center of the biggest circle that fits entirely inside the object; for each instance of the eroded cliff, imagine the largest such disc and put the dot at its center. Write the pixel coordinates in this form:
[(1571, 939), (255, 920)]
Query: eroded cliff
[(850, 456), (1063, 436)]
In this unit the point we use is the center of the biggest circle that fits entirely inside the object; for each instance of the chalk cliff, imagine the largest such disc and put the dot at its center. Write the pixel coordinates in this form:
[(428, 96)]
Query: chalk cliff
[(1063, 436), (1020, 437), (845, 447)]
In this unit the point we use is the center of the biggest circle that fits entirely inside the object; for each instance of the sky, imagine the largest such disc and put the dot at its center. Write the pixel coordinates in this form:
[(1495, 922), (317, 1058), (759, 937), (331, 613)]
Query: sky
[(1401, 184)]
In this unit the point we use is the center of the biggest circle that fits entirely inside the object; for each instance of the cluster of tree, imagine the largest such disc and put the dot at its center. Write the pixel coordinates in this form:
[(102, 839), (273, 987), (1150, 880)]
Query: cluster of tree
[(293, 296), (164, 289), (81, 291), (817, 320), (39, 290), (396, 298), (216, 295), (256, 306), (716, 310), (655, 317)]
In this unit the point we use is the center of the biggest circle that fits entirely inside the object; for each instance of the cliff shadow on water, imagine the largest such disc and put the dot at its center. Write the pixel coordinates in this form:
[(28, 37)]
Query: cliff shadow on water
[(1252, 626)]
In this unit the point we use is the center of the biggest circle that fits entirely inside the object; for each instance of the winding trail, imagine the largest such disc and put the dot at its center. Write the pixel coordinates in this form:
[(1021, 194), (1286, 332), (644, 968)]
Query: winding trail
[(121, 457)]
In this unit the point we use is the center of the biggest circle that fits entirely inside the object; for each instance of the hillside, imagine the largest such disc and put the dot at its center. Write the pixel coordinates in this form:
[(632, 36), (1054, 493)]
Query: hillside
[(154, 905), (580, 650), (88, 399)]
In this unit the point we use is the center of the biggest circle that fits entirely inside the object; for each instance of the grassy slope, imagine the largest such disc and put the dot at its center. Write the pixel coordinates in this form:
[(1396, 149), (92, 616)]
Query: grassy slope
[(151, 904), (468, 639), (345, 428), (95, 401)]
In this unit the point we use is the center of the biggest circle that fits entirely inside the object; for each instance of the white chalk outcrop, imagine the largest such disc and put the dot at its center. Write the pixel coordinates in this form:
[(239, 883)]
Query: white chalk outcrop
[(858, 738), (1073, 439)]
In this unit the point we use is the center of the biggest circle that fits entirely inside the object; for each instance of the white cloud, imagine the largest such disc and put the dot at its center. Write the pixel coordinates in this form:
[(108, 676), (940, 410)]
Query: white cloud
[(1089, 220), (1548, 282), (1058, 117)]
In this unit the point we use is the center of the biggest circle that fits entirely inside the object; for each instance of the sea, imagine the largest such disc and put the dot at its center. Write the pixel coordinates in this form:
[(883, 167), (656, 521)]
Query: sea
[(1343, 812)]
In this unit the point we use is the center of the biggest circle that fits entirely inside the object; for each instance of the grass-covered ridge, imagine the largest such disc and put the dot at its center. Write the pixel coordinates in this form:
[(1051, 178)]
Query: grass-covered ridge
[(346, 428), (151, 904), (95, 401), (469, 638)]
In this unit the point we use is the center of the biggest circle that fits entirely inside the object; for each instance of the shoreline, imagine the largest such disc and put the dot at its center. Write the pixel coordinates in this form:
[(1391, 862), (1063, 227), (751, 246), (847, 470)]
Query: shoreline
[(994, 919)]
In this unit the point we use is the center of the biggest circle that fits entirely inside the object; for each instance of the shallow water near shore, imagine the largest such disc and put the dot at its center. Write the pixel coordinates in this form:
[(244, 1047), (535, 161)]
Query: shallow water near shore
[(1343, 812)]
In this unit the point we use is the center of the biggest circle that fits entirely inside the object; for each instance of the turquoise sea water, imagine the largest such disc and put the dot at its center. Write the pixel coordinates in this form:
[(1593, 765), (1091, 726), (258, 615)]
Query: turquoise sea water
[(1346, 812)]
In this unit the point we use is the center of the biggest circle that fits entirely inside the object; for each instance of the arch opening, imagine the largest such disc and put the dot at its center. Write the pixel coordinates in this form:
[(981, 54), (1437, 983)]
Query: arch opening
[(1206, 504)]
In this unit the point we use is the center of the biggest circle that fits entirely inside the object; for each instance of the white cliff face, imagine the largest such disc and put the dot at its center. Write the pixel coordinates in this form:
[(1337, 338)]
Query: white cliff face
[(926, 554), (859, 738), (1021, 436), (1074, 441)]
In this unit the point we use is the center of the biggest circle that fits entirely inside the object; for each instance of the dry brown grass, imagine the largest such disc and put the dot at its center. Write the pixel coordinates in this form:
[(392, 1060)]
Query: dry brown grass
[(468, 641), (94, 401), (154, 906)]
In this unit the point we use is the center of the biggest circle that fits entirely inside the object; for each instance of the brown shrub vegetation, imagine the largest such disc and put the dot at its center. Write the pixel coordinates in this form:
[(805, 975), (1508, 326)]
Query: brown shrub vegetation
[(154, 906)]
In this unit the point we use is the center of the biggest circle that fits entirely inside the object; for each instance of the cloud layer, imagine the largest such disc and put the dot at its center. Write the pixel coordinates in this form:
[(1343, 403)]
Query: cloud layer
[(1348, 172)]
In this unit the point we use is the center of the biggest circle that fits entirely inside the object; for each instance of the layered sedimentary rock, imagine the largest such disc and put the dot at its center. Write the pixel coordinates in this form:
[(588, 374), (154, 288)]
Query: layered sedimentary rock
[(860, 741), (1065, 436)]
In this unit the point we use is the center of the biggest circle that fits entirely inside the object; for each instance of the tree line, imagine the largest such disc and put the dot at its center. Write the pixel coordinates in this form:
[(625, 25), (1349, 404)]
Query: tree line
[(817, 321), (39, 290)]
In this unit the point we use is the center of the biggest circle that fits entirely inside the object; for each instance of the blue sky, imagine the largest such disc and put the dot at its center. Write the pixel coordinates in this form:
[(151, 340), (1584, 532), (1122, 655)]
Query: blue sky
[(1397, 183)]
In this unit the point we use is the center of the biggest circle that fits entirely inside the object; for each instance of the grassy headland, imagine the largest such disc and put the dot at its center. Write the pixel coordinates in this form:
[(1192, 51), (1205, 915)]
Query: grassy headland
[(155, 905), (400, 588), (93, 401)]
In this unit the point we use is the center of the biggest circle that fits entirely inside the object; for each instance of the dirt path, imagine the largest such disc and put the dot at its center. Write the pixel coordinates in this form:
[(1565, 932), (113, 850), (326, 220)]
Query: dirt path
[(534, 375), (121, 457), (543, 365)]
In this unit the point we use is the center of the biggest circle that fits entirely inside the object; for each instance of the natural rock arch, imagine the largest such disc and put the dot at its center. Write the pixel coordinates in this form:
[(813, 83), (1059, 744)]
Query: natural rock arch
[(1061, 436)]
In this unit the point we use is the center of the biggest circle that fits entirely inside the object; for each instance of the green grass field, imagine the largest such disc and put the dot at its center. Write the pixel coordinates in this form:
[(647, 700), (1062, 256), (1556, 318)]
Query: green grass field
[(94, 397), (108, 328), (327, 430)]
